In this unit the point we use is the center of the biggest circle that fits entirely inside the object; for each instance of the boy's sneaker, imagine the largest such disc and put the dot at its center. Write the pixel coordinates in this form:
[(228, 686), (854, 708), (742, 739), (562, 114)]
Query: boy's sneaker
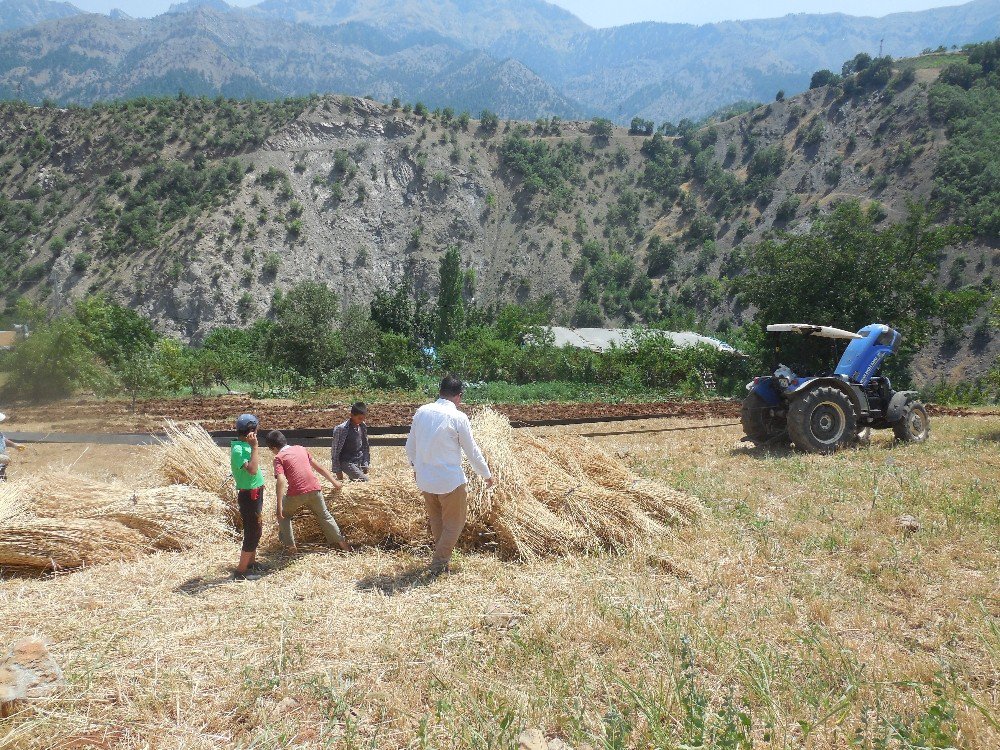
[(257, 567), (248, 576)]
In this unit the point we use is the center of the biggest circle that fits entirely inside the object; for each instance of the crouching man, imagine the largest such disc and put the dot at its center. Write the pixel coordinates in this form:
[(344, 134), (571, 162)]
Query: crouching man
[(350, 453), (298, 487)]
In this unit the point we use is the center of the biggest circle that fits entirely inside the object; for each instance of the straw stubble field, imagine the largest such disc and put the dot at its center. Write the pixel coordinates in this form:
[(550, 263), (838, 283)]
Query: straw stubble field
[(796, 612)]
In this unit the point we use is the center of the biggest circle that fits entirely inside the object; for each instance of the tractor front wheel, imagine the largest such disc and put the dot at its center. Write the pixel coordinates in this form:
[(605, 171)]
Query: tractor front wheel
[(760, 422), (822, 420), (915, 425)]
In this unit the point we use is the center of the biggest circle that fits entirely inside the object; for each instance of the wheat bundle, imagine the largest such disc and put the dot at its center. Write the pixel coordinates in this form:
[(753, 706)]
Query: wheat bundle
[(190, 456), (495, 437), (171, 518), (553, 496), (578, 454), (531, 530), (383, 508), (109, 521), (10, 506), (523, 526), (43, 543), (52, 493)]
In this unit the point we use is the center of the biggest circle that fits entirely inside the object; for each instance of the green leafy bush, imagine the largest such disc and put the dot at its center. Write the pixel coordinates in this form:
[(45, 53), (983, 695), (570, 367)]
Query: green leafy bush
[(541, 167), (890, 275), (54, 362), (967, 100)]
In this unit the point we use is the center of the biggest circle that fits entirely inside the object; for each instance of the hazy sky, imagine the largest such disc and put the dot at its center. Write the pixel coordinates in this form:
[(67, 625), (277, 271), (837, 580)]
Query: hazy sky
[(604, 13)]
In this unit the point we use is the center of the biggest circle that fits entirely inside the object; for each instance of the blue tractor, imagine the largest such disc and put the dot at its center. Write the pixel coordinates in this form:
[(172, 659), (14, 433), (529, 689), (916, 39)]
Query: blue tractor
[(823, 411)]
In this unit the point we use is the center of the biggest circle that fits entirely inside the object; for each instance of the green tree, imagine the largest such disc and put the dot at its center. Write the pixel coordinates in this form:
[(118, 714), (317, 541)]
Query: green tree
[(601, 128), (114, 333), (518, 323), (303, 335), (450, 305), (823, 78), (237, 352), (847, 273), (392, 310), (54, 362), (489, 121), (360, 336), (141, 376)]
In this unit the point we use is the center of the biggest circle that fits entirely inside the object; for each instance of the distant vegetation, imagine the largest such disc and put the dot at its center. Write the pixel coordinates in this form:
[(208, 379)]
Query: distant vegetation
[(966, 99), (202, 137)]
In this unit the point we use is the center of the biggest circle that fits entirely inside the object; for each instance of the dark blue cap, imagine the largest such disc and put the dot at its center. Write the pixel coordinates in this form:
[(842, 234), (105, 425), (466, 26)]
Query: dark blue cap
[(246, 423)]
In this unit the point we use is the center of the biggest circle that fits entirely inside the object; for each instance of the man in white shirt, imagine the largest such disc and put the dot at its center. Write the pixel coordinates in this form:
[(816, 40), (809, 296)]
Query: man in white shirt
[(438, 435)]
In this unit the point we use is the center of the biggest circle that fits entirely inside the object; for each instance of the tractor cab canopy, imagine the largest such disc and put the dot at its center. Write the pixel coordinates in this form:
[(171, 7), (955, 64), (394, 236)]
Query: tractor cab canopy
[(859, 362), (807, 329)]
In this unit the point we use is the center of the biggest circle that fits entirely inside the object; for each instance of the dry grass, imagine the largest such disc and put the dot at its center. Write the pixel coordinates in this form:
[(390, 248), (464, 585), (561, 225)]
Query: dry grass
[(794, 603)]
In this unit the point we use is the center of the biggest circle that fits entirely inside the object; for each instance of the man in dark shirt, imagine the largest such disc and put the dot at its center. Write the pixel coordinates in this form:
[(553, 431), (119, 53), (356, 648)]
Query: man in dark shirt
[(350, 453)]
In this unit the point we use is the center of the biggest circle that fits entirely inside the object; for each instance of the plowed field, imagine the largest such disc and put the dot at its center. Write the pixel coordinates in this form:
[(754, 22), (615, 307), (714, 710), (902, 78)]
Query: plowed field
[(218, 413)]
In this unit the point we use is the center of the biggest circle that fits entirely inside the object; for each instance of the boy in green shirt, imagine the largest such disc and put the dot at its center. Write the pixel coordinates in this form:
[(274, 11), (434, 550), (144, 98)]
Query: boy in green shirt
[(244, 459)]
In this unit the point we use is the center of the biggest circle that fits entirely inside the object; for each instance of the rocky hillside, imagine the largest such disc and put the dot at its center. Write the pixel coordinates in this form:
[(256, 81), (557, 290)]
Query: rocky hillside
[(195, 211), (521, 58)]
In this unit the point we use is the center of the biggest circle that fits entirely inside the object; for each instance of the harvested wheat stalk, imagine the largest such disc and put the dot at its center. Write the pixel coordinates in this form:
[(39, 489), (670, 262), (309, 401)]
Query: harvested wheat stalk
[(51, 493), (110, 522), (594, 491), (190, 456), (10, 505), (43, 543), (385, 510), (172, 518), (663, 503)]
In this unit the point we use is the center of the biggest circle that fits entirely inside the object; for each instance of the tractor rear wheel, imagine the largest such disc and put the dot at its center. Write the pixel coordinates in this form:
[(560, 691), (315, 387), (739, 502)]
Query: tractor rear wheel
[(822, 420), (915, 425), (759, 422)]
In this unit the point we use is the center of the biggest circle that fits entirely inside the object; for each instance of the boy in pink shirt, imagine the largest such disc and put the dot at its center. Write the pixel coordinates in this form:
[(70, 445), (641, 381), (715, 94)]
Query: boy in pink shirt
[(298, 487)]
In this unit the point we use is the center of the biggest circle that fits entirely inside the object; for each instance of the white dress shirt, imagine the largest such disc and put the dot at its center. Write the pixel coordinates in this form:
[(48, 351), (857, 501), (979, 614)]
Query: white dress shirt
[(438, 435)]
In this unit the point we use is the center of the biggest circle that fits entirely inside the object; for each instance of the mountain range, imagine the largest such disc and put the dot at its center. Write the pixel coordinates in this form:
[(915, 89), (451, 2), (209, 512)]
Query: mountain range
[(18, 14), (521, 58)]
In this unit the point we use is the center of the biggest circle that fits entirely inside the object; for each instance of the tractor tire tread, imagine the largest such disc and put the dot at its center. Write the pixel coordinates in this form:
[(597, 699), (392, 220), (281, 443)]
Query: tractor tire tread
[(901, 429), (799, 420)]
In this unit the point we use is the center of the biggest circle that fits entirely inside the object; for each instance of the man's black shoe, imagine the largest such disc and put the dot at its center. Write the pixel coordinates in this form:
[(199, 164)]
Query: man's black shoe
[(248, 576)]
